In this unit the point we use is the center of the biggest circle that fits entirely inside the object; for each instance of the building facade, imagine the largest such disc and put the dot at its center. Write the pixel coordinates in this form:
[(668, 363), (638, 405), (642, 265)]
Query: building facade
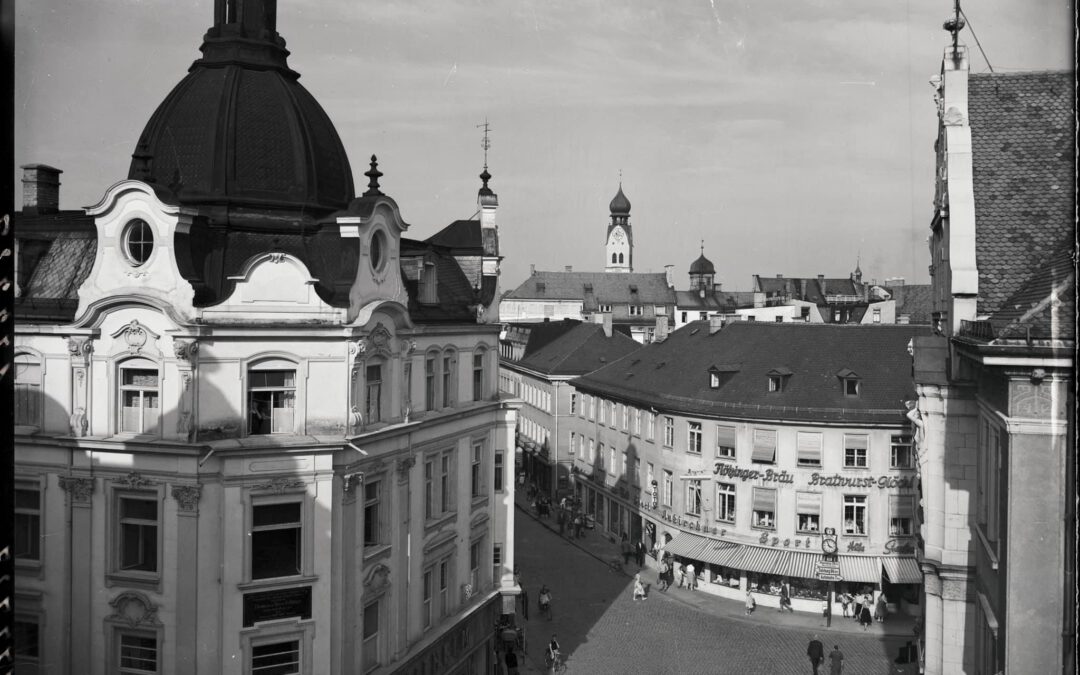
[(736, 446), (258, 428), (996, 406)]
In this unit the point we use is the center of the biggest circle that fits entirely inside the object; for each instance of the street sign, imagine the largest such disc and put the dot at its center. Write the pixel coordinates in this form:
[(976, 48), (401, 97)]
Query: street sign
[(828, 571)]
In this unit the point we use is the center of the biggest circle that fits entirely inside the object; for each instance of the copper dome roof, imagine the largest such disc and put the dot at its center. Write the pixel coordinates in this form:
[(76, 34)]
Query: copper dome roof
[(702, 266), (620, 205), (240, 132)]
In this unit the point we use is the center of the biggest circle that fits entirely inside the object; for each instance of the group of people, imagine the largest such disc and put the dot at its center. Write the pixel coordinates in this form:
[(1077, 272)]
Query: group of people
[(571, 518), (863, 609), (816, 652), (635, 551), (671, 571)]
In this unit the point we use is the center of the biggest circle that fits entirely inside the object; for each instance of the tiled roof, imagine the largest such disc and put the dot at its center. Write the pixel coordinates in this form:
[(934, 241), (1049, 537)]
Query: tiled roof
[(715, 301), (580, 350), (461, 236), (537, 334), (644, 288), (814, 293), (1045, 306), (1022, 137), (673, 375), (916, 303)]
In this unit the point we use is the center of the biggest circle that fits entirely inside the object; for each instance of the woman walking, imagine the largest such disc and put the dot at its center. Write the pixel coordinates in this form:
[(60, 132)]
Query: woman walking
[(864, 617), (750, 603), (639, 588)]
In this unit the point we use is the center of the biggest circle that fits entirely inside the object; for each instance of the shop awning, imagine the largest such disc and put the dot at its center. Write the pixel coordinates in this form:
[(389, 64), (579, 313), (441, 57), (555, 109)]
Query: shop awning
[(758, 559), (802, 564), (684, 543), (862, 568), (719, 552), (902, 570)]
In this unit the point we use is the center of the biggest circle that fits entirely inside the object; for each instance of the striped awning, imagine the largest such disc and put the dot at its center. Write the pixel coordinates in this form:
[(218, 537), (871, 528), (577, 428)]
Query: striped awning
[(704, 549), (862, 568), (719, 552), (902, 570), (802, 564), (758, 559), (684, 543)]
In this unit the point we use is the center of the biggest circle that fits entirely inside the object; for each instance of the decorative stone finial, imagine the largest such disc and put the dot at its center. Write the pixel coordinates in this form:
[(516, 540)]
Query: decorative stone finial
[(373, 175)]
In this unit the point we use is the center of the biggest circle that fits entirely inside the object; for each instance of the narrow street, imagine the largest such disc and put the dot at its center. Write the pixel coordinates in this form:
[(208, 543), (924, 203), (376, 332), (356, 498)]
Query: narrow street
[(602, 630)]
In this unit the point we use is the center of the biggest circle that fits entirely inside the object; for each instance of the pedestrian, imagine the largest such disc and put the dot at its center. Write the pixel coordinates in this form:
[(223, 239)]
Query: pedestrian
[(624, 546), (864, 617), (836, 661), (816, 653), (750, 603), (679, 573), (639, 588), (881, 609), (845, 604), (562, 520), (640, 554), (511, 662), (691, 576), (578, 523), (857, 606), (785, 597), (544, 601), (661, 577)]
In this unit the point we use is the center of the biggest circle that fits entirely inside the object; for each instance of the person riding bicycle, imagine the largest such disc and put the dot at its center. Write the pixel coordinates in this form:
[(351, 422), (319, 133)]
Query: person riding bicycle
[(544, 599), (553, 651)]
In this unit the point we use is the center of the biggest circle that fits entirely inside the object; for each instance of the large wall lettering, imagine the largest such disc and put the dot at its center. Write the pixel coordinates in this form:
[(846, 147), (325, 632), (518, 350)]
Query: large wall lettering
[(881, 482)]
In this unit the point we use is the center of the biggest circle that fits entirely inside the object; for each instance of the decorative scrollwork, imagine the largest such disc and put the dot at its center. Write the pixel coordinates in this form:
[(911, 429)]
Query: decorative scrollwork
[(78, 489), (278, 485), (134, 481), (134, 609), (187, 497)]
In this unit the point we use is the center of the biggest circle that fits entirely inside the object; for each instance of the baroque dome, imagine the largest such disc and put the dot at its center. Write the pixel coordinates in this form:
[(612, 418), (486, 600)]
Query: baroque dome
[(620, 205), (702, 266), (240, 132)]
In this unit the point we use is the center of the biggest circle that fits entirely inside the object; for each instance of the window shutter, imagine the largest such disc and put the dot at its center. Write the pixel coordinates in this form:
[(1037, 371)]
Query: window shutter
[(725, 437), (856, 442), (764, 446), (809, 447), (764, 499), (900, 506), (808, 503)]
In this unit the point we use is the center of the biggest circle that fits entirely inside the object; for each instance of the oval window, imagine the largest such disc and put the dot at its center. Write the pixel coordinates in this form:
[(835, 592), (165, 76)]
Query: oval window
[(138, 241), (378, 250)]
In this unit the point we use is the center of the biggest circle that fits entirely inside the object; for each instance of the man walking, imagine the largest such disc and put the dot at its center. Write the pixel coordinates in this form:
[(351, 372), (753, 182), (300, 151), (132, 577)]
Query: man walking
[(836, 661), (816, 652)]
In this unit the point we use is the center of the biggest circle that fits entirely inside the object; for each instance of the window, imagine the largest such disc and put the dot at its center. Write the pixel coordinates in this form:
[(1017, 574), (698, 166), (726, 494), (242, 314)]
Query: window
[(406, 384), (140, 400), (725, 442), (702, 316), (573, 442), (764, 446), (877, 315), (635, 477), (725, 502), (272, 401), (855, 451), (444, 588), (429, 590), (138, 528), (669, 432), (611, 414), (27, 390), (370, 647), (808, 511), (714, 380), (683, 317), (855, 515), (604, 309), (438, 485), (764, 508), (429, 383), (668, 481), (139, 653), (809, 448), (592, 452), (624, 417), (693, 437), (637, 422), (275, 540), (776, 383), (900, 453), (603, 412), (637, 310), (447, 380), (612, 468), (372, 513), (277, 658), (693, 497), (650, 427), (27, 522), (373, 378), (901, 508), (477, 476), (573, 403), (779, 319), (26, 643), (138, 240), (478, 377), (476, 552), (499, 468), (751, 317), (851, 387), (988, 477), (444, 483)]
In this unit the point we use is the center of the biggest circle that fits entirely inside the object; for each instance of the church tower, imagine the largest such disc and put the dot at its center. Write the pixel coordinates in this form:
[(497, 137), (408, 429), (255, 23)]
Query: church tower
[(620, 239)]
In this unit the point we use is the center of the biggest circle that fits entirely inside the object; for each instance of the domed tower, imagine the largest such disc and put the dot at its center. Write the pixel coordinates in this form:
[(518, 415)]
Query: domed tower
[(702, 273), (620, 238), (245, 146)]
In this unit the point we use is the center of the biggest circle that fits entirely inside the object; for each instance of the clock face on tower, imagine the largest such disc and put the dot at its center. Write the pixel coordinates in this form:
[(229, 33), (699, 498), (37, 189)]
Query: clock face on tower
[(618, 236)]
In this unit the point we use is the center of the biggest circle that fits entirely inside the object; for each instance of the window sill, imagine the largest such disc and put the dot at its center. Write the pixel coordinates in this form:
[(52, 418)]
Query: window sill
[(693, 515), (276, 582), (988, 547), (439, 520), (764, 528), (148, 581), (375, 551), (856, 468), (854, 534), (479, 502), (809, 533), (30, 568), (803, 465)]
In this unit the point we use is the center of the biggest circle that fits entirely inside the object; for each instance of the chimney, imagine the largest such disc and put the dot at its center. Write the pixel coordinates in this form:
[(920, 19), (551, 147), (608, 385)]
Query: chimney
[(802, 289), (569, 268), (716, 287), (532, 269), (779, 276), (607, 324), (716, 322), (821, 283), (661, 329), (41, 189), (669, 275), (789, 288)]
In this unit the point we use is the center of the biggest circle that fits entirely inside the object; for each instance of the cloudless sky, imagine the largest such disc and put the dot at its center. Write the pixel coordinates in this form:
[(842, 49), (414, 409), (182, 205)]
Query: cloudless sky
[(792, 136)]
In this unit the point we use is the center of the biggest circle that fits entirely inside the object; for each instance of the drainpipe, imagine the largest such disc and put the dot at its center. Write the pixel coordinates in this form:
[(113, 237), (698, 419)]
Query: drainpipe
[(555, 484)]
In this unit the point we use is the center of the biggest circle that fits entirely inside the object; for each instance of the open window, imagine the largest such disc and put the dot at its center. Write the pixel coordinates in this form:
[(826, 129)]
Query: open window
[(272, 397), (140, 397)]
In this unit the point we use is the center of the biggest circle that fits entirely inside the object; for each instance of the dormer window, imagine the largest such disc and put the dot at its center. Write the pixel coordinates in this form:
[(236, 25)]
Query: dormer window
[(541, 287), (714, 379), (778, 378), (604, 309), (718, 374), (849, 382)]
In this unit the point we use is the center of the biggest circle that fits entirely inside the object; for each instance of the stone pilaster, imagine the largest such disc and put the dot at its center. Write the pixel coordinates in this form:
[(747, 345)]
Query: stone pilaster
[(80, 492), (187, 576)]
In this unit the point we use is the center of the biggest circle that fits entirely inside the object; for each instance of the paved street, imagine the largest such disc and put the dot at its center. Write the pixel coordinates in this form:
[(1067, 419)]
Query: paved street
[(601, 630)]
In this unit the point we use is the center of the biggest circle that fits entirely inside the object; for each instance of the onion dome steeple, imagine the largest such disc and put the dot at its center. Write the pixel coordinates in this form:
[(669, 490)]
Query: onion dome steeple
[(620, 205), (239, 136)]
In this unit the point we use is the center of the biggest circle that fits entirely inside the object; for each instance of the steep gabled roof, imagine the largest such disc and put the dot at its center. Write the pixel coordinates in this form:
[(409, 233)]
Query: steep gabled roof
[(673, 375), (645, 288), (461, 237), (1022, 136), (56, 253)]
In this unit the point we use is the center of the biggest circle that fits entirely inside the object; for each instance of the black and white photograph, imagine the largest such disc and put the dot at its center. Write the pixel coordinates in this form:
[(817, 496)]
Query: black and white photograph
[(521, 337)]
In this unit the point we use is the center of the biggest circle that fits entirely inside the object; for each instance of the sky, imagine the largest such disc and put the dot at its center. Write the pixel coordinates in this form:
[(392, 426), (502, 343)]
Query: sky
[(792, 137)]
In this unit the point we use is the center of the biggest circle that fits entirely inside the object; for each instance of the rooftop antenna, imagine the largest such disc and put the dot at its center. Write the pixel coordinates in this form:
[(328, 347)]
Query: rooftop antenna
[(702, 247), (486, 143)]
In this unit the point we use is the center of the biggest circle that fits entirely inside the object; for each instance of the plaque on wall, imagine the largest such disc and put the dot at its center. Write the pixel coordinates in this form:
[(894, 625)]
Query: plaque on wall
[(286, 603)]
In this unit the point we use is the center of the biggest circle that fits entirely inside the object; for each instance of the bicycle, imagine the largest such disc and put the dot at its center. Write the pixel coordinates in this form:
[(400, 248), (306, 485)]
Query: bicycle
[(555, 665)]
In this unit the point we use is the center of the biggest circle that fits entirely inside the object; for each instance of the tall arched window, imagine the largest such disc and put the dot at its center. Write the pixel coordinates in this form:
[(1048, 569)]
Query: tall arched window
[(27, 390), (272, 397), (614, 258), (140, 397), (620, 258)]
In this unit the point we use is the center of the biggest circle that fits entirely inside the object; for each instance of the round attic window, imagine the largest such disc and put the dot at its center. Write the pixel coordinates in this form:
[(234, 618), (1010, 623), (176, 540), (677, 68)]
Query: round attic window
[(138, 240), (378, 250)]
